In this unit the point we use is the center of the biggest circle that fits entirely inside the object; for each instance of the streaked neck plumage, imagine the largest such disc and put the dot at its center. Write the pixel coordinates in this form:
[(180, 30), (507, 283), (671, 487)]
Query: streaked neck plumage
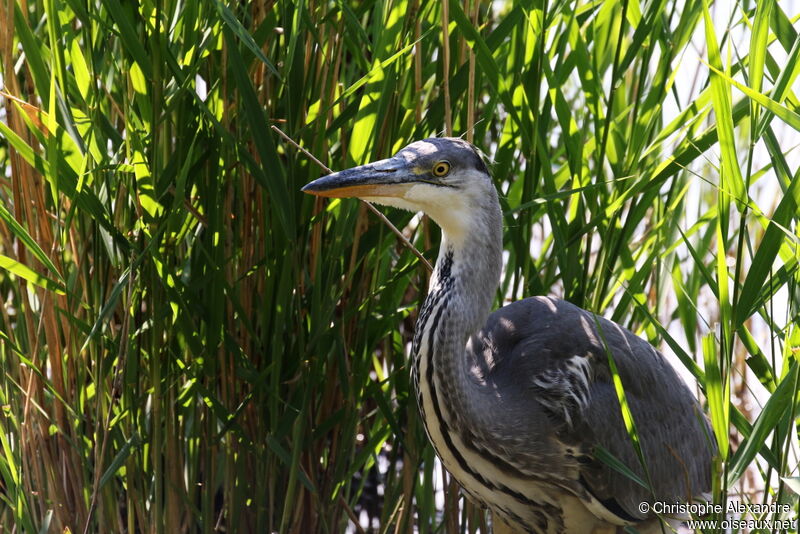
[(460, 296)]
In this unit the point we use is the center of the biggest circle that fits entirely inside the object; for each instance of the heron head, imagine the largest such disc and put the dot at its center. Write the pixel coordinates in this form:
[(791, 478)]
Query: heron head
[(444, 177)]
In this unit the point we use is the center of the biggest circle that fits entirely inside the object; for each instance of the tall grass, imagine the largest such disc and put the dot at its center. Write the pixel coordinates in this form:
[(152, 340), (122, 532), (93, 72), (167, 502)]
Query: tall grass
[(189, 344)]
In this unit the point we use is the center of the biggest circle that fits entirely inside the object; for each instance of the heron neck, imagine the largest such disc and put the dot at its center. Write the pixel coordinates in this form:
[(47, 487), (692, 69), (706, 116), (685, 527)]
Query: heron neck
[(469, 273), (460, 296)]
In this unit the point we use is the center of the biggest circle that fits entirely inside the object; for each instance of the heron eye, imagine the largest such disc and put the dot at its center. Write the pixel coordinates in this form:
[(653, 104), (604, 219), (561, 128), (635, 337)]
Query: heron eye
[(441, 169)]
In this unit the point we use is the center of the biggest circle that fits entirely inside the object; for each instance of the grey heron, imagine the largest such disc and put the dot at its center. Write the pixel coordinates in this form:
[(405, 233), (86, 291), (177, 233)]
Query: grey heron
[(517, 402)]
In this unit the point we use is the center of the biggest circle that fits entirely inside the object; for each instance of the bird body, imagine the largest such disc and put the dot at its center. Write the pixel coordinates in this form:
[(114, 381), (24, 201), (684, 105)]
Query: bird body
[(517, 402)]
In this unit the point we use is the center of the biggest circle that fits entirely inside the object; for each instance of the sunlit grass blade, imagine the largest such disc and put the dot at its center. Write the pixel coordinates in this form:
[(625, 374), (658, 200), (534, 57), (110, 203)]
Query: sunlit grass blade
[(772, 412), (731, 174), (785, 114), (758, 44), (774, 237), (717, 393)]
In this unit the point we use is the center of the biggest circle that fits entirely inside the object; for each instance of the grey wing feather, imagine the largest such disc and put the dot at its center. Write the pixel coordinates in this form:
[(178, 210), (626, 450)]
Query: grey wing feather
[(549, 352)]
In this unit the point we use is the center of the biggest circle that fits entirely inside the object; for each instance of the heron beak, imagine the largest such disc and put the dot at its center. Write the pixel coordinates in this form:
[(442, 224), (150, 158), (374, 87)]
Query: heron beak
[(384, 178)]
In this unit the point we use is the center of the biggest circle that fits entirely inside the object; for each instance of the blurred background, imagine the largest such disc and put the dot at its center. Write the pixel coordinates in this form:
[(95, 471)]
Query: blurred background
[(190, 344)]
